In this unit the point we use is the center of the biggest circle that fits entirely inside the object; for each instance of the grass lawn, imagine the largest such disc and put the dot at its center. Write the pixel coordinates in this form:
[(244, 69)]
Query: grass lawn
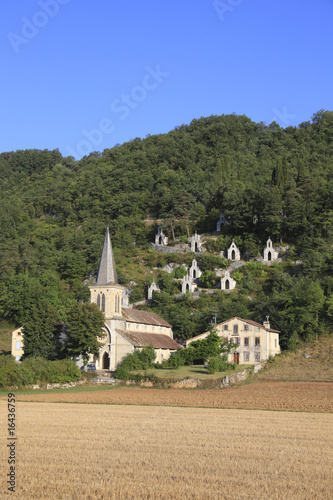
[(194, 371)]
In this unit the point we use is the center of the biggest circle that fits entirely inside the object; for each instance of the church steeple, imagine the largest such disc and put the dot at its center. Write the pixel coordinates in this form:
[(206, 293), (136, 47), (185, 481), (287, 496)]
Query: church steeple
[(106, 274)]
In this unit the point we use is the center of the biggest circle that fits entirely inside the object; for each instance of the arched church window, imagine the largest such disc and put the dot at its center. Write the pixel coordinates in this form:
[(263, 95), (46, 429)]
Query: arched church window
[(103, 302), (227, 284), (269, 256), (233, 255), (99, 301)]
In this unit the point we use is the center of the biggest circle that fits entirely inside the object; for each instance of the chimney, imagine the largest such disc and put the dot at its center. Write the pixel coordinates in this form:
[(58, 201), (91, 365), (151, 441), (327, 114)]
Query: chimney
[(267, 323)]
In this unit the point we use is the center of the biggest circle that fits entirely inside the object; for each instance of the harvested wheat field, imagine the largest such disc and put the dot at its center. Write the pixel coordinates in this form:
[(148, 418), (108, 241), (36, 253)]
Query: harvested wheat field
[(290, 396), (71, 451)]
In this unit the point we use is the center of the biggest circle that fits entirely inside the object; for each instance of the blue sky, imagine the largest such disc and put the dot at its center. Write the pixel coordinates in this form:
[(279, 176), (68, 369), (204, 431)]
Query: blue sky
[(83, 75)]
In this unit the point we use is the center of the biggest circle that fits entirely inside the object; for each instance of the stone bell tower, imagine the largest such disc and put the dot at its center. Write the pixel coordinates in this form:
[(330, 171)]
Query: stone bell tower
[(107, 294)]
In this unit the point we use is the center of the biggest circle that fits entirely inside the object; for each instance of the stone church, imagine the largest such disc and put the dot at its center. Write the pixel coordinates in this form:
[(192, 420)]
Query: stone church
[(126, 329)]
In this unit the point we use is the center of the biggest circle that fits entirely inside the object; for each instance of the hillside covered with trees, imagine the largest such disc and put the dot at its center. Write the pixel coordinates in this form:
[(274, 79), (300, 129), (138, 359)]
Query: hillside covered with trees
[(268, 181)]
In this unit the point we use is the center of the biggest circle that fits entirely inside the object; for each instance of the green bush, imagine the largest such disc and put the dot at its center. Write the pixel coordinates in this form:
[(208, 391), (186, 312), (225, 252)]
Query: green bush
[(36, 370), (122, 373), (219, 364), (208, 279), (9, 371), (138, 360), (213, 365), (179, 272)]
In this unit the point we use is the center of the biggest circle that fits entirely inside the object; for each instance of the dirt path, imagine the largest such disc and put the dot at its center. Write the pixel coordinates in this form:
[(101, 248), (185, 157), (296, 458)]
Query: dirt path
[(288, 396)]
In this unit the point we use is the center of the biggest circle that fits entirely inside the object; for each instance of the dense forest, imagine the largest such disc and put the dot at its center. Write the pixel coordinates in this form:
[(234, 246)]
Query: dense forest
[(267, 181)]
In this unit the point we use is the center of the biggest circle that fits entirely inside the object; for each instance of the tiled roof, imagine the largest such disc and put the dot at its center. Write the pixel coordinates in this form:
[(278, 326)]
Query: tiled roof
[(249, 321), (157, 340), (147, 318), (106, 274), (254, 323)]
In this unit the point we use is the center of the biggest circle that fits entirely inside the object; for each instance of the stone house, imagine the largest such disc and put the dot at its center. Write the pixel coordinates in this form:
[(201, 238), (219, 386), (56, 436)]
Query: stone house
[(269, 253), (126, 329), (196, 243), (220, 222), (17, 343), (194, 271), (227, 282), (152, 288), (188, 284), (233, 252), (160, 238), (253, 342)]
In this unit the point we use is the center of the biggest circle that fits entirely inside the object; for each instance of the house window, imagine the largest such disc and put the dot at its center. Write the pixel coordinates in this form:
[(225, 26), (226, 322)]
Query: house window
[(246, 341), (275, 343), (237, 340), (18, 345), (225, 339), (235, 329), (257, 356), (257, 341), (225, 327), (246, 356), (246, 327)]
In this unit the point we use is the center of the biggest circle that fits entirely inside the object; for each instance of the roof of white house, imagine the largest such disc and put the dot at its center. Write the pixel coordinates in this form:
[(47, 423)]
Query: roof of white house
[(249, 321)]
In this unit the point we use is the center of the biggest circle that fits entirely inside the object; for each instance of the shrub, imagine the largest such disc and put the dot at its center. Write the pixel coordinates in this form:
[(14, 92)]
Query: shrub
[(138, 360), (208, 279), (9, 371), (33, 370), (219, 364), (122, 373), (179, 272)]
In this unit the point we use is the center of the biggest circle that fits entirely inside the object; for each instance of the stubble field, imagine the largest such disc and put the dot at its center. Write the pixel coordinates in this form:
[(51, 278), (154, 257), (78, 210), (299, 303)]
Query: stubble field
[(94, 451), (266, 395)]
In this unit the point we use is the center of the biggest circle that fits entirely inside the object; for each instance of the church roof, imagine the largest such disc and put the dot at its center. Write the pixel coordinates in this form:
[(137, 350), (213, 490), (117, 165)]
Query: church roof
[(106, 274), (147, 318), (157, 340)]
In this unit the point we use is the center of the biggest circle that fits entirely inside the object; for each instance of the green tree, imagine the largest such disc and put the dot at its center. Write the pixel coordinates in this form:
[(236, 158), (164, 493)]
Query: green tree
[(84, 327), (40, 332), (207, 279)]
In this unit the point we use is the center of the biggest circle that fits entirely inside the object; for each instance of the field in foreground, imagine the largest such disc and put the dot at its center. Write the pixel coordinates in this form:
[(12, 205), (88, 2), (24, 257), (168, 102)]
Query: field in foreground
[(69, 451), (290, 396)]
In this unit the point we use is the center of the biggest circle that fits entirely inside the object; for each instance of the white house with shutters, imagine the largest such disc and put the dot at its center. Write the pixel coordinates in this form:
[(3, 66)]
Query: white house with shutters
[(253, 342)]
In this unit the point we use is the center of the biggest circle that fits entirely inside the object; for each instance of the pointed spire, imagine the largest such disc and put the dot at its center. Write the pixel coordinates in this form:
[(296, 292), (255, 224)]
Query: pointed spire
[(106, 273)]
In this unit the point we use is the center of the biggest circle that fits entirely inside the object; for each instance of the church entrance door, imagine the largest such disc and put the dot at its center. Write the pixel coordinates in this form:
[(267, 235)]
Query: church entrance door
[(105, 361)]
